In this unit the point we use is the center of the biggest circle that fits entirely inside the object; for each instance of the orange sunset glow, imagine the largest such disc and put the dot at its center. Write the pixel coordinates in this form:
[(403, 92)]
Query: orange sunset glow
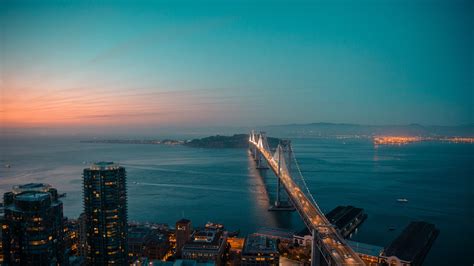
[(50, 107)]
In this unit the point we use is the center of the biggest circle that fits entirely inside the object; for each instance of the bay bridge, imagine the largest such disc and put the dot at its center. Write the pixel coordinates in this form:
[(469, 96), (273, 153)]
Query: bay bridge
[(328, 246)]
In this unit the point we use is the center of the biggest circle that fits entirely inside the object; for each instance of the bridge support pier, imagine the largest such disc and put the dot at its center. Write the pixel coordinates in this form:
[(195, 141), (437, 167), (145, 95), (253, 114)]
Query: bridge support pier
[(278, 206), (259, 161), (277, 201), (281, 205)]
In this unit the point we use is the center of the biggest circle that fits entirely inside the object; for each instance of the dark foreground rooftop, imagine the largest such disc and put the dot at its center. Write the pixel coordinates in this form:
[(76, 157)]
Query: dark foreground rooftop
[(413, 243)]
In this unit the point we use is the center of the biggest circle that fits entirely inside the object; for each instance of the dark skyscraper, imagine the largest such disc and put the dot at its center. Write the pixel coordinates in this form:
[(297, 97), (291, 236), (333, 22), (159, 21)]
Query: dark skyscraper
[(33, 226), (105, 209)]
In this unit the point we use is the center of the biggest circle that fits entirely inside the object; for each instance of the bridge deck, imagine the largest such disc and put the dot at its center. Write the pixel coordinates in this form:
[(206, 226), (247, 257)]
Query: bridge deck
[(331, 242)]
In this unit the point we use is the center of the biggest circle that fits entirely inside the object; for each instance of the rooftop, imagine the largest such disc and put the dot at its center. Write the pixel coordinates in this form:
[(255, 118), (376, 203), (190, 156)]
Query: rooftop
[(204, 239), (42, 187), (33, 196), (104, 166), (259, 244), (183, 221), (205, 236), (138, 232), (156, 238), (275, 233), (192, 263)]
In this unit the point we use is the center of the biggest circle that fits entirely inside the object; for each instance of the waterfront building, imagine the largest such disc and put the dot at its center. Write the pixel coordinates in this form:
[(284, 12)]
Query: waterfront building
[(32, 227), (346, 219), (236, 245), (408, 249), (206, 246), (182, 234), (411, 246), (260, 250), (105, 209)]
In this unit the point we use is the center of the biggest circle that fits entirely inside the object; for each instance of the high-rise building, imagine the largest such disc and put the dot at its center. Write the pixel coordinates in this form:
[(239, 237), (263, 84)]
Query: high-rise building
[(105, 209), (182, 234), (32, 230)]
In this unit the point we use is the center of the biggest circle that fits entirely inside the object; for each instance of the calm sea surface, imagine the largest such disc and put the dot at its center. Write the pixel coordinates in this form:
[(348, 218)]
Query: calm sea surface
[(221, 185)]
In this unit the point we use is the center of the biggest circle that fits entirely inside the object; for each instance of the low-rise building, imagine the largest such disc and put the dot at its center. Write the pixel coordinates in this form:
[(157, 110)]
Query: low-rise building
[(157, 245), (206, 246), (70, 236), (303, 238), (136, 241), (236, 244), (234, 256), (276, 233), (260, 250), (144, 241)]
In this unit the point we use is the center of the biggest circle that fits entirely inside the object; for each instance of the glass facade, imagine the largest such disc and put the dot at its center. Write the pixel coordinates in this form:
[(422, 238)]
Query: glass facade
[(105, 209), (32, 227)]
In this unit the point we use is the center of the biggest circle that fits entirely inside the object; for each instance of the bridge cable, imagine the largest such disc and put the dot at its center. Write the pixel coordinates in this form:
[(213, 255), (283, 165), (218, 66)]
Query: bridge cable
[(305, 184)]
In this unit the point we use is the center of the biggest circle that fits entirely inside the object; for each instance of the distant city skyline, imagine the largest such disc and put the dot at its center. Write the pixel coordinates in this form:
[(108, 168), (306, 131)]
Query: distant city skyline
[(104, 66)]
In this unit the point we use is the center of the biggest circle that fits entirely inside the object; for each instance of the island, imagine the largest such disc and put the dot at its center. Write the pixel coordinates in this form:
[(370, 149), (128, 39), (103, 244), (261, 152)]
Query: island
[(218, 141)]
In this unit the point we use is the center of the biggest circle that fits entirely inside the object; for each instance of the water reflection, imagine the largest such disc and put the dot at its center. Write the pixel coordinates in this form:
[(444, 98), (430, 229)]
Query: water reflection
[(260, 180)]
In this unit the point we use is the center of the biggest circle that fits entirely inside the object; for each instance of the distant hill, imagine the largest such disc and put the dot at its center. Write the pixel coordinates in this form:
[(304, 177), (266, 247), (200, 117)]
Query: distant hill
[(235, 141), (333, 129)]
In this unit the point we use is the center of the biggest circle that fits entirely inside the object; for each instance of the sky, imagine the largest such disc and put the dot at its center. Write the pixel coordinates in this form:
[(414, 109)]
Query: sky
[(107, 65)]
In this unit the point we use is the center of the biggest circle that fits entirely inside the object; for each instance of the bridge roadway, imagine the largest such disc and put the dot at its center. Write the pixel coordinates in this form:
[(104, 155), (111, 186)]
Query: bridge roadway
[(331, 242)]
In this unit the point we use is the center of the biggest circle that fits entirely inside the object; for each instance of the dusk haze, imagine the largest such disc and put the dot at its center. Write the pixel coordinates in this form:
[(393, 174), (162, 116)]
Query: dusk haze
[(266, 132)]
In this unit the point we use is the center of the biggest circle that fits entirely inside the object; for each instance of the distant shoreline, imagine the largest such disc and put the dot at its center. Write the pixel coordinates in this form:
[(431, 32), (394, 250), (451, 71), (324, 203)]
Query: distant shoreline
[(241, 141), (212, 142), (134, 141)]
